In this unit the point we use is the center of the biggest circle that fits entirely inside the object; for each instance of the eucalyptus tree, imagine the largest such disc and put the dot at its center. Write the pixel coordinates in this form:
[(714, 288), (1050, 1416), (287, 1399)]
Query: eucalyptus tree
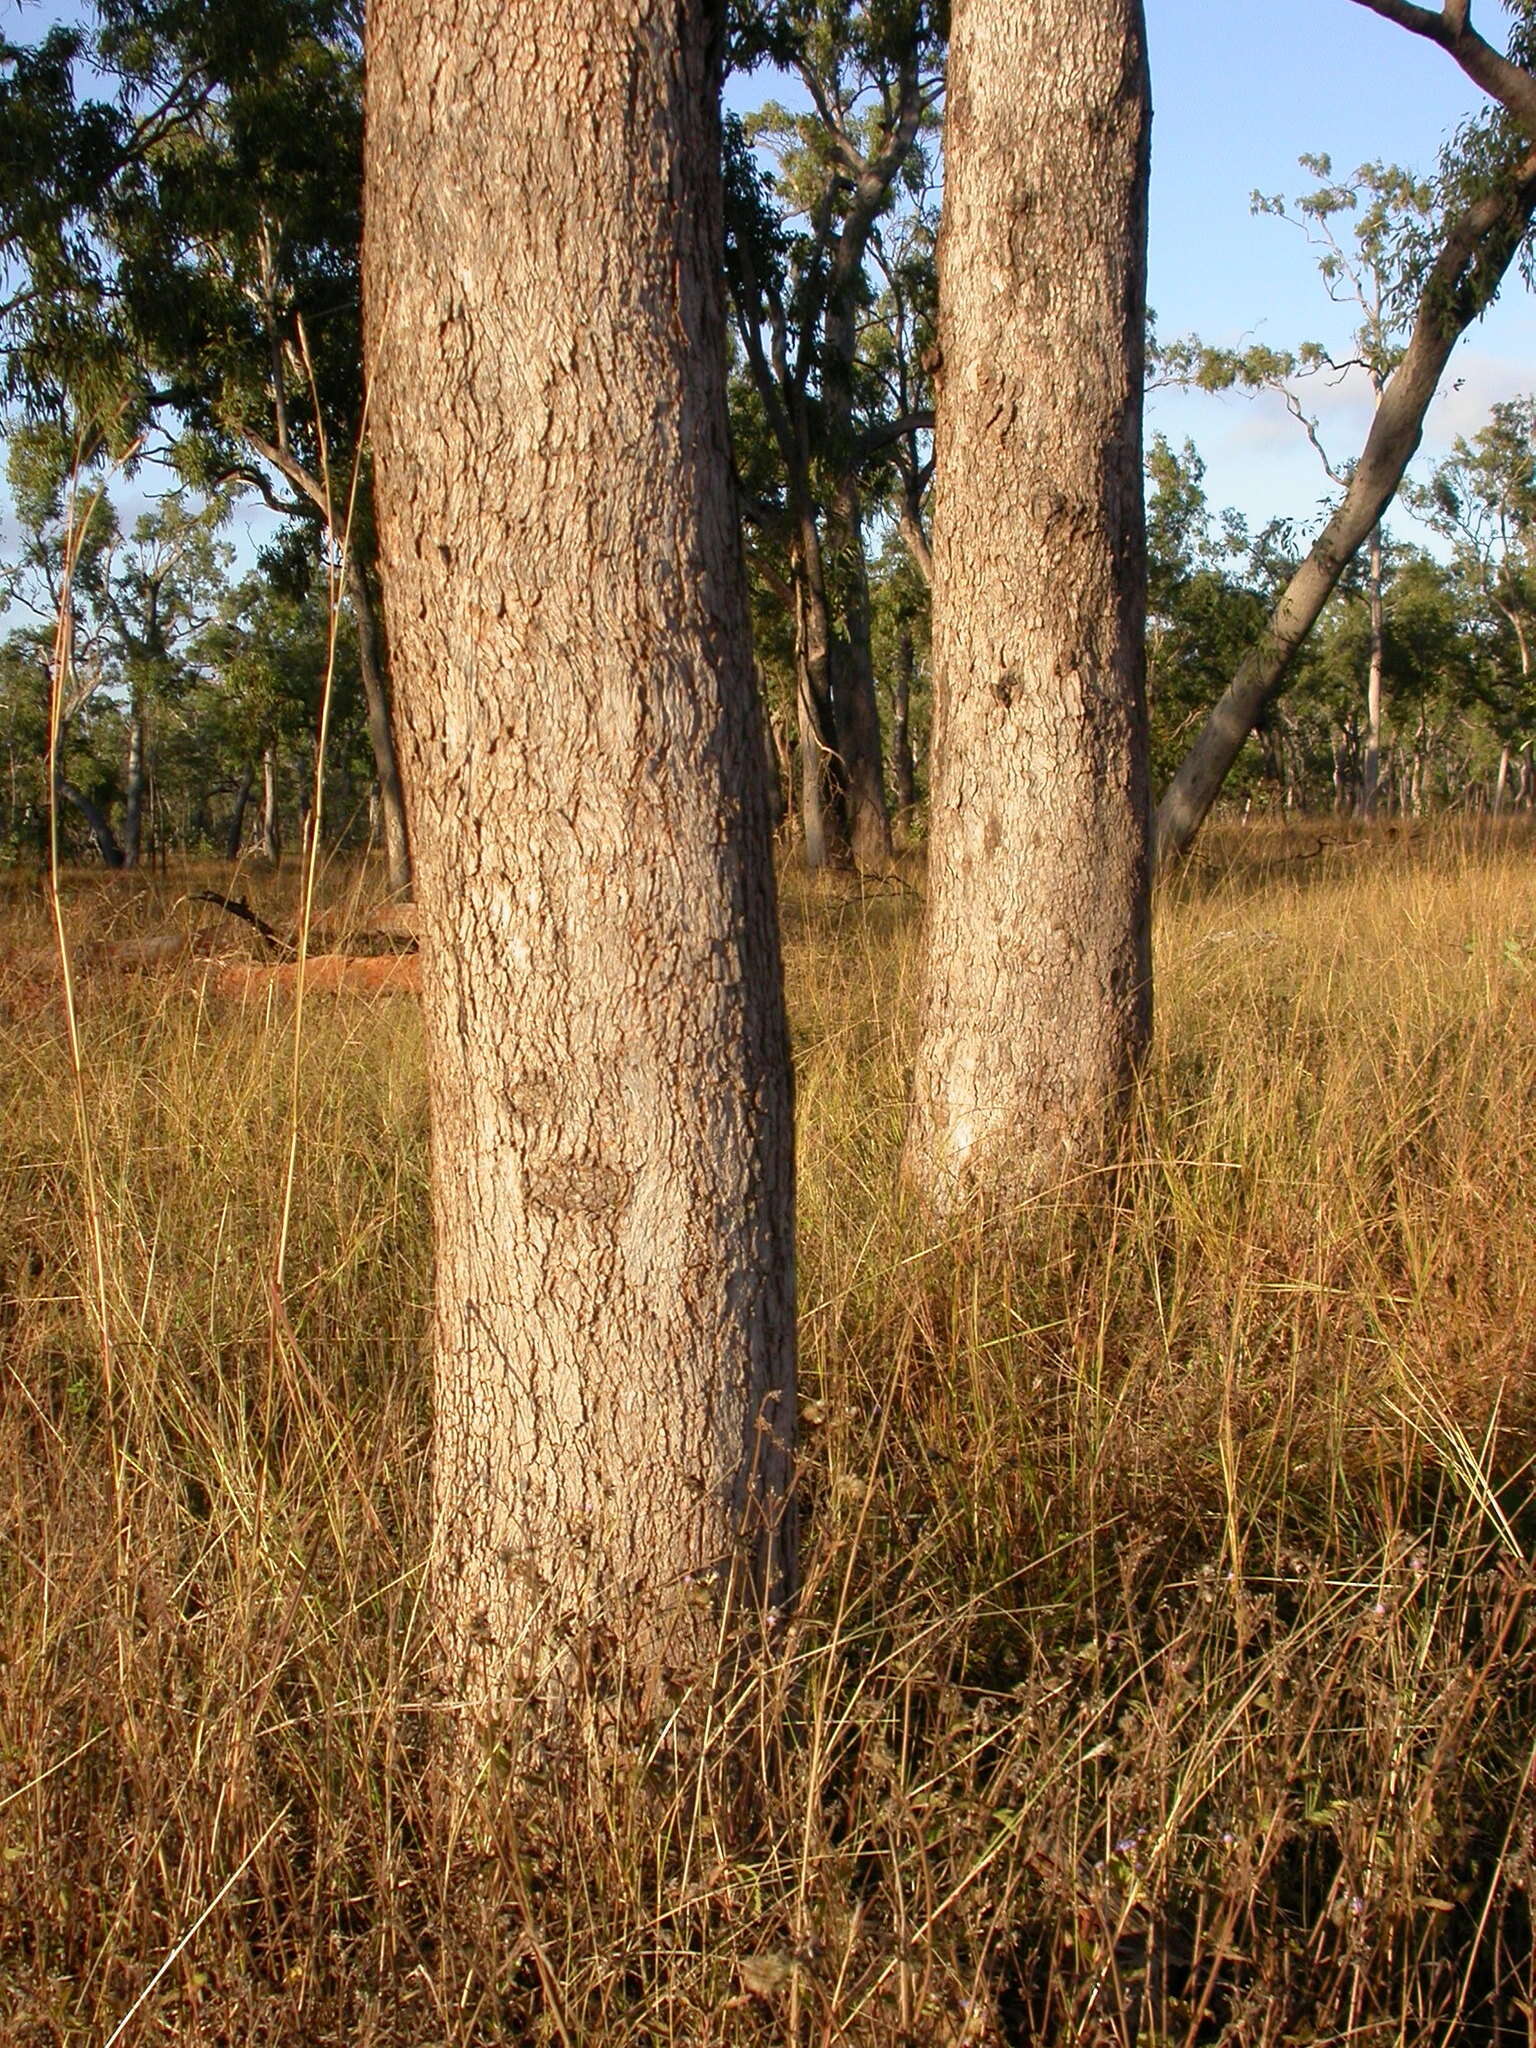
[(899, 344), (1207, 595), (902, 619), (182, 224), (1482, 499), (265, 666), (157, 589), (1373, 268), (798, 267), (1487, 189), (607, 1051), (1037, 1002), (57, 657)]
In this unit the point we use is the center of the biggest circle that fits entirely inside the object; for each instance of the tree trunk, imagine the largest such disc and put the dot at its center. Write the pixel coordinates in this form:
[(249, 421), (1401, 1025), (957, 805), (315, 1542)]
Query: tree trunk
[(1370, 774), (271, 840), (234, 839), (133, 793), (780, 765), (853, 688), (1340, 773), (773, 767), (821, 770), (607, 1050), (1501, 786), (1038, 1000), (813, 775), (304, 791), (381, 735), (1477, 249), (97, 824), (902, 771)]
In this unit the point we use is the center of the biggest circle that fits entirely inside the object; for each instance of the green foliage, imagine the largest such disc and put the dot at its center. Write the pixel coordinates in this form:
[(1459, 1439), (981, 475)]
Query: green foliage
[(1375, 267), (197, 225), (1202, 612)]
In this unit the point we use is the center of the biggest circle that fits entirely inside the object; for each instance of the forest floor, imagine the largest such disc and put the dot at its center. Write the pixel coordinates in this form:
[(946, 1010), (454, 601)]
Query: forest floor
[(1166, 1668)]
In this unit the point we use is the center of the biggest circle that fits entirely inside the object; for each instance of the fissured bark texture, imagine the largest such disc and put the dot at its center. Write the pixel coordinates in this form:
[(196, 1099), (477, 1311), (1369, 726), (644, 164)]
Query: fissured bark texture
[(1037, 1002), (584, 768)]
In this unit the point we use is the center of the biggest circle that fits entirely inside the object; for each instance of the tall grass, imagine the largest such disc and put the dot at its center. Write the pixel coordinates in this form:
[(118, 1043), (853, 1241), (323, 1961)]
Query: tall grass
[(1165, 1671)]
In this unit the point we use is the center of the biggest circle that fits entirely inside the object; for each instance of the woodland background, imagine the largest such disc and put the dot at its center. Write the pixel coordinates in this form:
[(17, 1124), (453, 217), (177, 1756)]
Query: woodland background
[(1165, 1669)]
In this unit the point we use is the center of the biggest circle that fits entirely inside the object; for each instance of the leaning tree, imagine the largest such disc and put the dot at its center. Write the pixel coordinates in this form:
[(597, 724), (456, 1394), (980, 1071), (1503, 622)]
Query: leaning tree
[(1489, 180)]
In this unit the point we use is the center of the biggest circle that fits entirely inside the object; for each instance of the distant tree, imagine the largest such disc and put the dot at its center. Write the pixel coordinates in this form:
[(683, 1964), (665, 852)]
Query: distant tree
[(156, 590), (266, 665), (798, 267), (1488, 193), (902, 640), (607, 1051), (1207, 596), (1483, 500), (57, 663), (183, 212), (1374, 271), (1038, 994)]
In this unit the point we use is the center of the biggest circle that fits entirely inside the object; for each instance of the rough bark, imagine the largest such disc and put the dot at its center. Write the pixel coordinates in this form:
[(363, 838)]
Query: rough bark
[(607, 1050), (1477, 250), (1037, 1004)]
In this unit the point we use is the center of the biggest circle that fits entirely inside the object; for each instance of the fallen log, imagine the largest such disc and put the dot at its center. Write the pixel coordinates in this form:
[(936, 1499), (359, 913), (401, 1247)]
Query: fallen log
[(355, 974)]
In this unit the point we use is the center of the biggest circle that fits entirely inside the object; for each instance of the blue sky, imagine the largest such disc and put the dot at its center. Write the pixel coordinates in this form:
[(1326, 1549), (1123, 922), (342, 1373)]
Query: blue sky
[(1240, 90)]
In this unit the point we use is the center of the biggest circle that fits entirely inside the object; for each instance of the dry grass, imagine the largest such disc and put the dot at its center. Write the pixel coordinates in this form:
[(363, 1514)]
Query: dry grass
[(1166, 1671)]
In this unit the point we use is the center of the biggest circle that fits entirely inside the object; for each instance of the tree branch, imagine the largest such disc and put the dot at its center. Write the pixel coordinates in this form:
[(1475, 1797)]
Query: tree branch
[(918, 422), (1451, 27), (285, 465), (916, 538), (247, 473)]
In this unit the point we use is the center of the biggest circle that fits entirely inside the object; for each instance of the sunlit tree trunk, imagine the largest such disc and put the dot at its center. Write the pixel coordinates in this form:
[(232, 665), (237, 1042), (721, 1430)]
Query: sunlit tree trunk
[(583, 765), (1340, 772), (1037, 1004), (1370, 774), (133, 791), (271, 839)]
